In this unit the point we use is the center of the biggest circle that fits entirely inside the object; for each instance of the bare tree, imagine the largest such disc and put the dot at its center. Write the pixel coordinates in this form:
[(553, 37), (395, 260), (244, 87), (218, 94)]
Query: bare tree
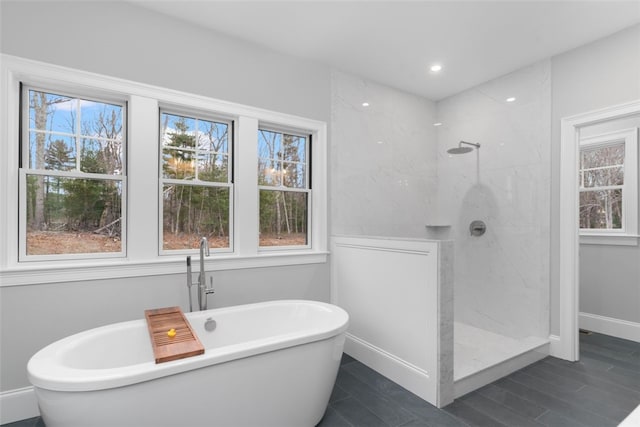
[(42, 107), (602, 175)]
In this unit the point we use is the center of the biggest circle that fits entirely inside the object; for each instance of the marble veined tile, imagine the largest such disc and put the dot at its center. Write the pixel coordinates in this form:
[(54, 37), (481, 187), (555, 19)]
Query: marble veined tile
[(502, 277), (476, 349), (383, 159), (390, 174)]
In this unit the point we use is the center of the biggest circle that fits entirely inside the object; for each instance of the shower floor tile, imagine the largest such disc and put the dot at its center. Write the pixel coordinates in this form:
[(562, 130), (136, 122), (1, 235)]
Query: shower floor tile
[(476, 349)]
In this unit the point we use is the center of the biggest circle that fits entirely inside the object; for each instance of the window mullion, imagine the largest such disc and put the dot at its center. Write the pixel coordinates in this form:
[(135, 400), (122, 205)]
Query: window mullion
[(78, 134), (284, 189), (196, 150), (247, 195), (142, 203), (195, 183), (74, 174), (602, 188), (599, 168)]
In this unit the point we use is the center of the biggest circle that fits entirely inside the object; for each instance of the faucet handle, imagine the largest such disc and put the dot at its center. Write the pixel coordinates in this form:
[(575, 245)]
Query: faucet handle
[(209, 289)]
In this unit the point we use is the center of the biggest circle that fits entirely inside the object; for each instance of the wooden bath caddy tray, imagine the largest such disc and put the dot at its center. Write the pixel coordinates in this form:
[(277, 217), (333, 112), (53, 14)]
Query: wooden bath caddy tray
[(185, 343)]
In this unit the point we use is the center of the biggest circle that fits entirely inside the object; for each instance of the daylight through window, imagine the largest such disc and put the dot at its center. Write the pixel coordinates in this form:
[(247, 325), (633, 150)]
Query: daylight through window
[(107, 178), (606, 179), (196, 181), (72, 175), (601, 181), (283, 180)]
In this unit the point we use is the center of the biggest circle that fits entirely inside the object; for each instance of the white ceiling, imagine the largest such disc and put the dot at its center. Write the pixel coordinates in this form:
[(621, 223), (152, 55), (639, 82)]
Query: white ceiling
[(395, 42)]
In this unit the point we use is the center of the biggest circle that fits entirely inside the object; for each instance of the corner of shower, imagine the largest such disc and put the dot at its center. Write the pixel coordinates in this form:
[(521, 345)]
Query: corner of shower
[(482, 356), (470, 357), (498, 300)]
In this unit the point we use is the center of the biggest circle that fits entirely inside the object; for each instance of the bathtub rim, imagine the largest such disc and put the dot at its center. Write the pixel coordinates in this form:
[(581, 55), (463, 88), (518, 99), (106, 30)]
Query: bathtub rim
[(45, 371)]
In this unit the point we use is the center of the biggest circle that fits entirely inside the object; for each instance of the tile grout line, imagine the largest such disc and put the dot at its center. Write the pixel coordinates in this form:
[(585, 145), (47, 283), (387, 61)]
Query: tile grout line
[(608, 381), (490, 415), (572, 405)]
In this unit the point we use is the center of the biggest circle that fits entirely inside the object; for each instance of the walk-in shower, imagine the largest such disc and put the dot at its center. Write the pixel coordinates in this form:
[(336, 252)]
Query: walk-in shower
[(453, 320), (501, 277), (461, 150)]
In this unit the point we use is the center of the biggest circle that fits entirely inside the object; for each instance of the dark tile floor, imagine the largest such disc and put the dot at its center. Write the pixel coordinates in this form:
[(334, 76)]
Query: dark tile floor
[(599, 391)]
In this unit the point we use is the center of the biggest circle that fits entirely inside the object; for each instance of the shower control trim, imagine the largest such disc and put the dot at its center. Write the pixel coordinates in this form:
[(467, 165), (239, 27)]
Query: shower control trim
[(477, 228)]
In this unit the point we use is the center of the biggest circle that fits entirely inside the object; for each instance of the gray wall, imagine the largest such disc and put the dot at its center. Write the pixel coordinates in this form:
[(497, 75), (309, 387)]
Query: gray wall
[(121, 40), (34, 316), (118, 39), (594, 76), (610, 275), (610, 281)]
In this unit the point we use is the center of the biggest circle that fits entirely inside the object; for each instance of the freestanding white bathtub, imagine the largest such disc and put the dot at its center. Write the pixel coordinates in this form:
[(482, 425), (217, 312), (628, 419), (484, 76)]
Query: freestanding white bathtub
[(266, 364)]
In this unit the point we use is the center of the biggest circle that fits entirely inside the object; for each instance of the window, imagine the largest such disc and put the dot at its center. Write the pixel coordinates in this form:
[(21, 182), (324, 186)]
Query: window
[(608, 184), (283, 182), (196, 178), (104, 178), (72, 175)]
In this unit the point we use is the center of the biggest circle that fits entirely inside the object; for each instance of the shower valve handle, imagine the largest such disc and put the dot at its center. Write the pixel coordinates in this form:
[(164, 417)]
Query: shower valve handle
[(209, 290)]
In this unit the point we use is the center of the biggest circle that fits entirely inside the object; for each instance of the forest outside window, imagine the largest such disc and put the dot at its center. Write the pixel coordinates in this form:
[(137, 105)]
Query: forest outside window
[(108, 178), (196, 182), (285, 190), (72, 176), (608, 184)]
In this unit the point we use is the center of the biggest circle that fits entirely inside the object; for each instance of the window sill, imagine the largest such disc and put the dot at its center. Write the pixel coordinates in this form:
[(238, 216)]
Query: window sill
[(609, 239), (40, 274)]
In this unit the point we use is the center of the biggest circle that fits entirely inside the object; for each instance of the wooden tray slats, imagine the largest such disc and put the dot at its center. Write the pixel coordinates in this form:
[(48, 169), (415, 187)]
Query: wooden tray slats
[(184, 344)]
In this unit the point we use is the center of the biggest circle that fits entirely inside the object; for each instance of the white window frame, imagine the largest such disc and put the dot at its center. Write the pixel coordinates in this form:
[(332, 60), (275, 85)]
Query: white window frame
[(308, 156), (144, 102), (627, 235), (75, 174), (198, 115)]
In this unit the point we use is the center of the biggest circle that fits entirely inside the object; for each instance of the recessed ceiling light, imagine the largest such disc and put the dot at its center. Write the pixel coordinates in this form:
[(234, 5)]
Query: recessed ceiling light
[(511, 99), (365, 104), (436, 67), (380, 142), (437, 124)]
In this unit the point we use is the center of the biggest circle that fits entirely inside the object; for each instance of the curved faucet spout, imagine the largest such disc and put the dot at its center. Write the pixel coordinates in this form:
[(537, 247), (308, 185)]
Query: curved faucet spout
[(204, 246)]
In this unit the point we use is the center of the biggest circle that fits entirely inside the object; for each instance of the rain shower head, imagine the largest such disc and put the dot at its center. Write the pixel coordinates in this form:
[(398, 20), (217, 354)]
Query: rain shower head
[(459, 150), (462, 150)]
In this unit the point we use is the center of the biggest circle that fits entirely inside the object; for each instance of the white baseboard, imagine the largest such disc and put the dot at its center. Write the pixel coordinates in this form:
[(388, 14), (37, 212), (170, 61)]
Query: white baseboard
[(554, 346), (399, 371), (18, 404), (610, 326)]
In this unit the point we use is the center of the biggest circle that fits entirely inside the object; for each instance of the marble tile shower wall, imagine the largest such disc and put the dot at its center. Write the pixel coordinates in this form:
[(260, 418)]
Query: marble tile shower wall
[(502, 277), (391, 175), (383, 176)]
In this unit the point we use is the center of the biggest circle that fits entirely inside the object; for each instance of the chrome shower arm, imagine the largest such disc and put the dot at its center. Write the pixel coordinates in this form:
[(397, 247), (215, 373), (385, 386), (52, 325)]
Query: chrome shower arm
[(469, 143)]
